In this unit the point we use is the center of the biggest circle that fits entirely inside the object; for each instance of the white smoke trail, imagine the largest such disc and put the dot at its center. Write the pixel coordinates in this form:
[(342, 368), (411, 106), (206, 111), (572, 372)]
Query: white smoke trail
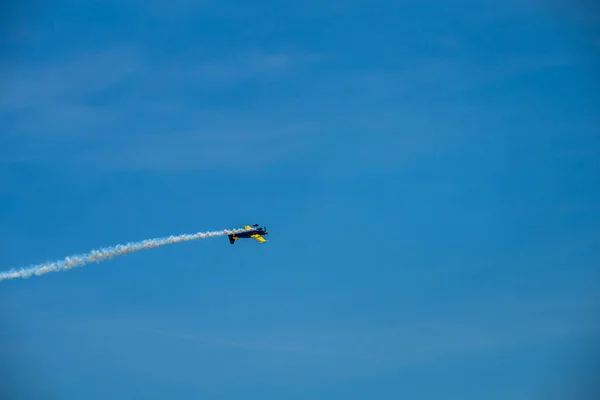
[(106, 254)]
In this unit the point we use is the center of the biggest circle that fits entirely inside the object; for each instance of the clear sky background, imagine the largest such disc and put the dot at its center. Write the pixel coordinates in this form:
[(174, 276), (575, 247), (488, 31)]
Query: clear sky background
[(428, 172)]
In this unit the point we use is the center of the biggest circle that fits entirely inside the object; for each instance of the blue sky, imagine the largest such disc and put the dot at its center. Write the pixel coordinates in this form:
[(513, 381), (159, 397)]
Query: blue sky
[(427, 170)]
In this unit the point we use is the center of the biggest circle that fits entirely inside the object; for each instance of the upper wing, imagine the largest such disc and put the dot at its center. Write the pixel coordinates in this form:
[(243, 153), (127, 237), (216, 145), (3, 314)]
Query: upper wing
[(259, 238), (247, 227)]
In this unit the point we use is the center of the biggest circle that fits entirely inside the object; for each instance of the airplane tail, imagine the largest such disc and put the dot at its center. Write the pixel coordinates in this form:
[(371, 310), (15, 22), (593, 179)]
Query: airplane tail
[(231, 239)]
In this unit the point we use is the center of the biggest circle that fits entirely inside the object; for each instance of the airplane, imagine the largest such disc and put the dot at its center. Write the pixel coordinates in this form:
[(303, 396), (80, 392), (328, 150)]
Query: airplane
[(256, 234)]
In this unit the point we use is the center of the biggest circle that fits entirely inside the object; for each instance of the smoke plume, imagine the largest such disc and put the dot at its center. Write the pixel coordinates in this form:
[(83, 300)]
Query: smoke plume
[(107, 253)]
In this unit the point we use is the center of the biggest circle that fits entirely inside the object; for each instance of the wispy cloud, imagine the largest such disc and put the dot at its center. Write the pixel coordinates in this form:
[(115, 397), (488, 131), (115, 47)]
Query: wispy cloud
[(243, 345), (71, 82), (93, 111), (257, 65), (38, 85), (494, 325), (216, 146), (121, 109)]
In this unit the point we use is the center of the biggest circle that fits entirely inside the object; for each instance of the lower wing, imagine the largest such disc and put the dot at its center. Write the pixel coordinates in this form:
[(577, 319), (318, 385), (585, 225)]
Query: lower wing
[(259, 238)]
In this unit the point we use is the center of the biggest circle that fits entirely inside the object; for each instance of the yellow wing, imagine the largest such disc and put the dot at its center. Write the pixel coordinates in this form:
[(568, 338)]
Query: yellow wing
[(259, 238), (248, 227)]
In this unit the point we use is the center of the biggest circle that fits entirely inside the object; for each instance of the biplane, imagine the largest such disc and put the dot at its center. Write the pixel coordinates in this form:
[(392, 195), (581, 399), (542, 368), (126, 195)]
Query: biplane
[(254, 232)]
